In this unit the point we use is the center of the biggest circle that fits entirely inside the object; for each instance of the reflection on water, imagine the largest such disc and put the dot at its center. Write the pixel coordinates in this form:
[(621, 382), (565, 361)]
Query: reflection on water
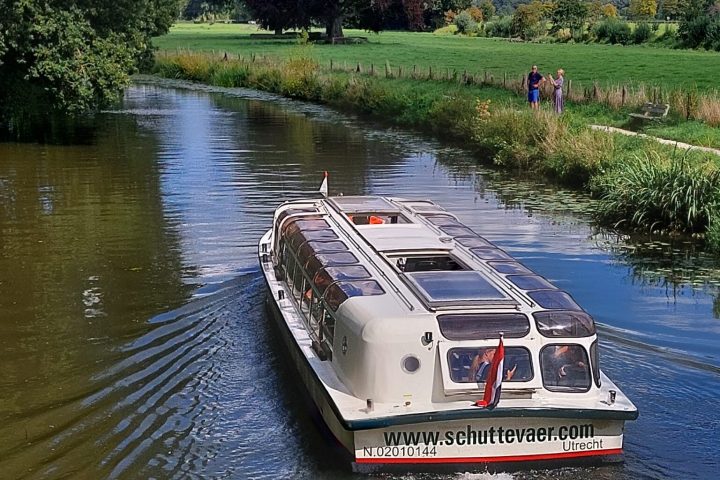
[(134, 340)]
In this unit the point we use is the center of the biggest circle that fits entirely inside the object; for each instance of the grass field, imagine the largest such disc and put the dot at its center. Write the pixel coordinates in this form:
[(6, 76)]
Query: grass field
[(584, 64)]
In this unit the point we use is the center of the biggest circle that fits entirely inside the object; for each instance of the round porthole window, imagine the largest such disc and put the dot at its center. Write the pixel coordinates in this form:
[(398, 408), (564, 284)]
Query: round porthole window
[(411, 364)]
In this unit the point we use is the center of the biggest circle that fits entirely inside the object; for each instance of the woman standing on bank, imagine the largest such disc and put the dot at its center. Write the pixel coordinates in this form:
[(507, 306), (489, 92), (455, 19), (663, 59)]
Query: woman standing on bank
[(557, 84)]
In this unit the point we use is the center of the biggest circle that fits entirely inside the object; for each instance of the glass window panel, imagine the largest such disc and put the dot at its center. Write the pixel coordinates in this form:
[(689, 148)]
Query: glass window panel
[(292, 211), (458, 231), (564, 324), (530, 282), (337, 293), (455, 286), (443, 221), (349, 204), (490, 254), (554, 299), (509, 267), (310, 248), (565, 368), (472, 364), (473, 241), (295, 239), (483, 325), (328, 275), (310, 222)]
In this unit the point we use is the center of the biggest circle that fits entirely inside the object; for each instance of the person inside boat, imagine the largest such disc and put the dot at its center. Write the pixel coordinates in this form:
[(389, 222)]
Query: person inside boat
[(565, 365), (480, 366)]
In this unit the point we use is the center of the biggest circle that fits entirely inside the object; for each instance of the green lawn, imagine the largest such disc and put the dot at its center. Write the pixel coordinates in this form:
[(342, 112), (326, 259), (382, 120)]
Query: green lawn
[(605, 64)]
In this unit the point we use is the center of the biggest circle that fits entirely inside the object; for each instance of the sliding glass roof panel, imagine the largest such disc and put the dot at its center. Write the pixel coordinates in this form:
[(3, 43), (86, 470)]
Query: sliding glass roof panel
[(351, 204), (455, 287)]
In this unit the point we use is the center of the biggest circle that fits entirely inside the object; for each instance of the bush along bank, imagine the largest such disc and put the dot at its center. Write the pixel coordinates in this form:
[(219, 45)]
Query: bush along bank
[(641, 184)]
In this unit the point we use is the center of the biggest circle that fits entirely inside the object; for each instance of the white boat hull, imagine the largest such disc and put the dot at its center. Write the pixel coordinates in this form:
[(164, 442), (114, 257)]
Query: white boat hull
[(462, 436)]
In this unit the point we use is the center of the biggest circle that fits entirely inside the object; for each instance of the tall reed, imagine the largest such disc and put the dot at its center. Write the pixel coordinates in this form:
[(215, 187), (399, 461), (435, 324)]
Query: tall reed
[(654, 193)]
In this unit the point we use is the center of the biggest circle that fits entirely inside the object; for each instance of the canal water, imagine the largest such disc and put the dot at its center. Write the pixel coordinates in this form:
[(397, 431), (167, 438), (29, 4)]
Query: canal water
[(133, 338)]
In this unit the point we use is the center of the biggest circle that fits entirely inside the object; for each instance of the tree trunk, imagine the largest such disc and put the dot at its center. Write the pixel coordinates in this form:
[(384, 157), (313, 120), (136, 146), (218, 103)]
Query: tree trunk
[(333, 28)]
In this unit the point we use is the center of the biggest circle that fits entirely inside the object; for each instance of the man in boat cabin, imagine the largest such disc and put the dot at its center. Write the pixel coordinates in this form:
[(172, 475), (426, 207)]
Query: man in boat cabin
[(480, 366)]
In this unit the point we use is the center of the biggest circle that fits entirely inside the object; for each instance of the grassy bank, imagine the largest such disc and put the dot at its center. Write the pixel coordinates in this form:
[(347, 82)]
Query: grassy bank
[(641, 184), (617, 78)]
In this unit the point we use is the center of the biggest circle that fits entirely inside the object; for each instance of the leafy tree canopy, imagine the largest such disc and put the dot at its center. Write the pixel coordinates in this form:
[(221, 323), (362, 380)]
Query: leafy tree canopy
[(72, 55)]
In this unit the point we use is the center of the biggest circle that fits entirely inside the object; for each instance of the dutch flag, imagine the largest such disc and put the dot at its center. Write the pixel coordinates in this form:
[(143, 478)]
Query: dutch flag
[(493, 384)]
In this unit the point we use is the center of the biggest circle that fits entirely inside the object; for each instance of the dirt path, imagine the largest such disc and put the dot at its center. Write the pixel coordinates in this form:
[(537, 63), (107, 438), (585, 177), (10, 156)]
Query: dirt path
[(684, 146)]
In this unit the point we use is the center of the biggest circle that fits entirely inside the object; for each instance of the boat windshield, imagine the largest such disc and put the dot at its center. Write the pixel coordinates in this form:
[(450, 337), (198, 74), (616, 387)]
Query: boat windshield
[(565, 368), (472, 364)]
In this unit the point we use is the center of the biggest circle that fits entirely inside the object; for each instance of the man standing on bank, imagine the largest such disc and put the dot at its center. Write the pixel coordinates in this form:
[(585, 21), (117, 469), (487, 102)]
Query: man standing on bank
[(534, 82)]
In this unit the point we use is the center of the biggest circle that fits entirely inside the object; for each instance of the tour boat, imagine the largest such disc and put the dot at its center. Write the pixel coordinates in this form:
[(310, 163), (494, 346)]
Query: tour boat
[(403, 322)]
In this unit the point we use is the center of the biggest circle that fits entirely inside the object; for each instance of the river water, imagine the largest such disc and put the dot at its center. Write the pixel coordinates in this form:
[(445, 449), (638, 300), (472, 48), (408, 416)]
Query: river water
[(133, 338)]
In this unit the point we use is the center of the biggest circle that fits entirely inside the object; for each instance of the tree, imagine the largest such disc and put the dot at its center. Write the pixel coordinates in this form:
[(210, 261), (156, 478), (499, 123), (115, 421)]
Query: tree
[(643, 9), (278, 15), (526, 20), (569, 14), (609, 11), (72, 55), (488, 9)]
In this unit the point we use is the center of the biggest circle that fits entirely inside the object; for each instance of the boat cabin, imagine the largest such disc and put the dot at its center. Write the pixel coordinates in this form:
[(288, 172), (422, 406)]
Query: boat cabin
[(408, 304)]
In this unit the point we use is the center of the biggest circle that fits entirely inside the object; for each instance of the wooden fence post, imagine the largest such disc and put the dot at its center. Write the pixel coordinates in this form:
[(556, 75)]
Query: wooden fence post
[(372, 69), (331, 65), (624, 95), (399, 72), (359, 68), (430, 74)]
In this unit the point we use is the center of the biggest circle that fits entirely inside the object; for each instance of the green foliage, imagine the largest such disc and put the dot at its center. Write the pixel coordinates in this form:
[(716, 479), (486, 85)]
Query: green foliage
[(465, 23), (642, 33), (57, 58), (570, 14), (526, 21), (613, 31), (650, 192), (643, 9), (488, 9), (499, 28)]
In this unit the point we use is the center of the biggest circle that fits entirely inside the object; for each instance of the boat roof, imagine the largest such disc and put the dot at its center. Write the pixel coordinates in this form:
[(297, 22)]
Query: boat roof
[(417, 252)]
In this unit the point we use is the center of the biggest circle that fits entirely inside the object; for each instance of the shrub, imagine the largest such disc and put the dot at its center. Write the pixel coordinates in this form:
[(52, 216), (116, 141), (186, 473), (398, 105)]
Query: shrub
[(465, 23), (454, 113), (642, 33), (500, 28), (447, 30), (613, 31)]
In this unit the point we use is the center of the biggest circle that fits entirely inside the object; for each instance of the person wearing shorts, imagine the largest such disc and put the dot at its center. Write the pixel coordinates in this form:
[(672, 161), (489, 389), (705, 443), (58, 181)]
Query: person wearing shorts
[(534, 82)]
